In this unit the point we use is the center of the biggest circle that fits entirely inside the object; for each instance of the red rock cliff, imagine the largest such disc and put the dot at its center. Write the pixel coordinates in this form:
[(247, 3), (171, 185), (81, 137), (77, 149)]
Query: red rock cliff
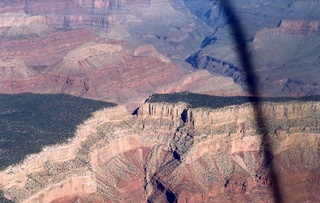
[(170, 151)]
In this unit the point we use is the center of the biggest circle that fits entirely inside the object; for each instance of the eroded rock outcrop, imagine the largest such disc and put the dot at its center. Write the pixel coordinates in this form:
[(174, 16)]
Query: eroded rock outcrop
[(300, 25), (171, 152), (15, 69), (15, 25)]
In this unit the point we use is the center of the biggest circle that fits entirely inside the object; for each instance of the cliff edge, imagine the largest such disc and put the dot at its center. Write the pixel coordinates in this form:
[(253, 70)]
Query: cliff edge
[(175, 153)]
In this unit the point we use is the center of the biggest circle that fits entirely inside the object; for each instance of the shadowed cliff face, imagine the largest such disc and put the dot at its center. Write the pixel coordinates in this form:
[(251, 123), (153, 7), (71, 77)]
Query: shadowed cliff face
[(170, 152)]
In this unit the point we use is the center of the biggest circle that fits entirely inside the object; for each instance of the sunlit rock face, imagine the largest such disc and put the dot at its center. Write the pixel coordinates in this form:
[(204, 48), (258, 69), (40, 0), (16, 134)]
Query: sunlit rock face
[(171, 152)]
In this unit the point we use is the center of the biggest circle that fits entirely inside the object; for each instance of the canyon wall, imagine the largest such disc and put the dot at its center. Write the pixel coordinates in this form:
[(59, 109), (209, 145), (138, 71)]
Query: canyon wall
[(40, 38), (171, 152), (67, 14), (281, 37), (78, 63), (117, 50)]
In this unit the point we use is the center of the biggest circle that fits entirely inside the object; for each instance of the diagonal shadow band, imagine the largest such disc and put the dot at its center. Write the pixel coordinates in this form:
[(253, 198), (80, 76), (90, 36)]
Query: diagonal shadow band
[(253, 89)]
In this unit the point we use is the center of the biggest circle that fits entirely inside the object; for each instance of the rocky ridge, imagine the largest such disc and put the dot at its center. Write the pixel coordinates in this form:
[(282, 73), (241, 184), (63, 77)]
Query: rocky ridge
[(171, 152), (15, 25)]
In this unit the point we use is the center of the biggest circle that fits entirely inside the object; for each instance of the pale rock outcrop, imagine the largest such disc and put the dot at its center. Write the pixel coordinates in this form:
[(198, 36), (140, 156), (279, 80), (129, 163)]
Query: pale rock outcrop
[(300, 25), (15, 69), (15, 25), (92, 56), (149, 50)]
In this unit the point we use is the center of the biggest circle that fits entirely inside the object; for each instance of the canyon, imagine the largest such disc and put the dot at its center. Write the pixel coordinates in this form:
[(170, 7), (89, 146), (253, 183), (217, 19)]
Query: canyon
[(106, 71), (173, 152), (72, 48), (39, 40), (153, 150)]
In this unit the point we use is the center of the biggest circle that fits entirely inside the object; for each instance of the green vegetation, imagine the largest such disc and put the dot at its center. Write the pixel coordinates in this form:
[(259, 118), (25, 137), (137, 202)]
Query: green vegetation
[(201, 100), (28, 122)]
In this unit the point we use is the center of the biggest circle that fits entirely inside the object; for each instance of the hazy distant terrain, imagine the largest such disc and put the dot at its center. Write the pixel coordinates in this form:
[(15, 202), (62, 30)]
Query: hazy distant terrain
[(41, 42), (283, 39)]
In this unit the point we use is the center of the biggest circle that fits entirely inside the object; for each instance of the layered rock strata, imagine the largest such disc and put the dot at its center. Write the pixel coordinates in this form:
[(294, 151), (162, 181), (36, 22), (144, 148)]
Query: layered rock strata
[(75, 14), (117, 50), (170, 152), (96, 68)]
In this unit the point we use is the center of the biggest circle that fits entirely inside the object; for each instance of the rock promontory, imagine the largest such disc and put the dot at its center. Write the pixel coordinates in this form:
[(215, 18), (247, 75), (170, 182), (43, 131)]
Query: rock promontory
[(177, 152)]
